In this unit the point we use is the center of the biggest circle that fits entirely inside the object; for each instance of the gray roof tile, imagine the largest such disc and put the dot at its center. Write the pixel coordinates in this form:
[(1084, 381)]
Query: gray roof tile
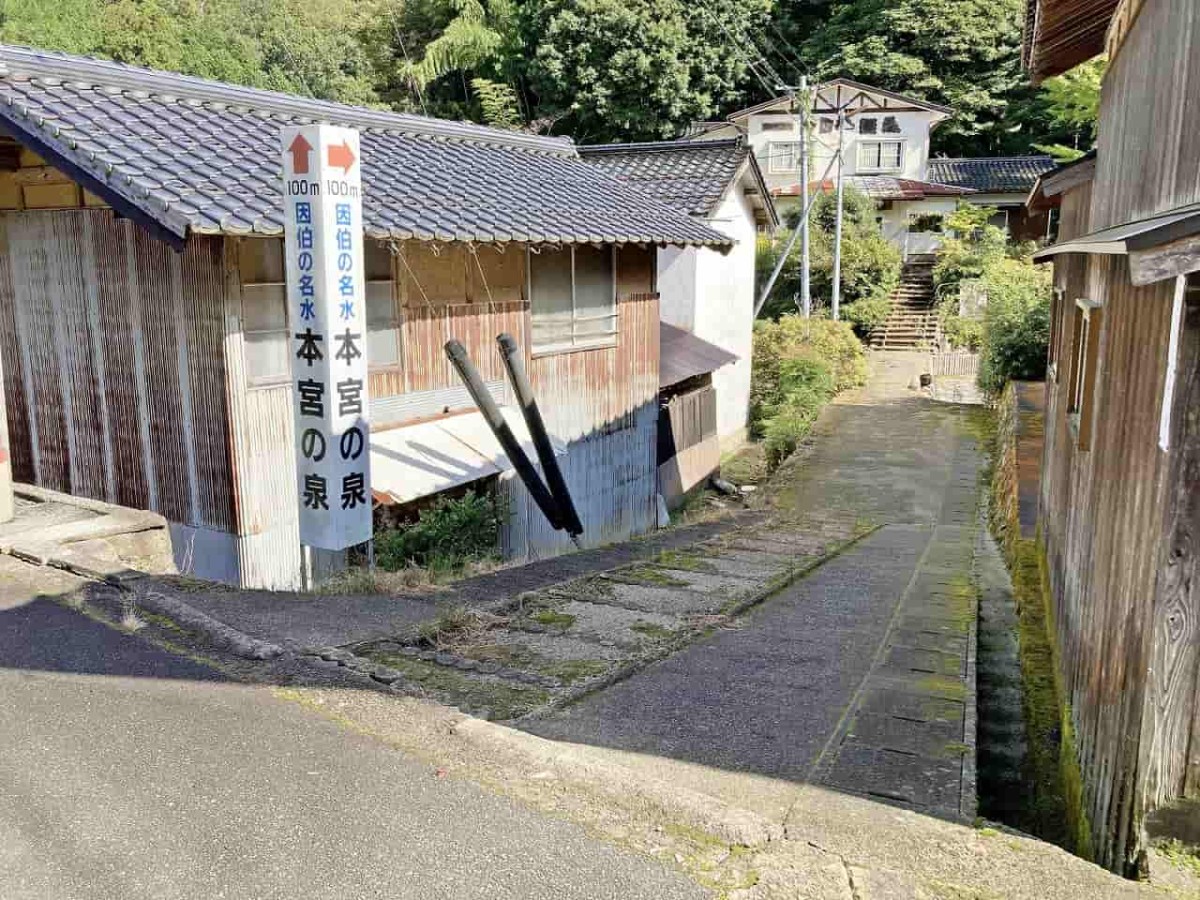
[(991, 175), (690, 175), (137, 133)]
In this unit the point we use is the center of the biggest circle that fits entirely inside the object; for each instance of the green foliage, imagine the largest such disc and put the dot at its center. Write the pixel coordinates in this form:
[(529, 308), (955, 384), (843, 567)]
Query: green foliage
[(610, 69), (498, 103), (472, 38), (870, 265), (963, 332), (446, 536), (1073, 99), (799, 364), (1016, 323), (306, 47)]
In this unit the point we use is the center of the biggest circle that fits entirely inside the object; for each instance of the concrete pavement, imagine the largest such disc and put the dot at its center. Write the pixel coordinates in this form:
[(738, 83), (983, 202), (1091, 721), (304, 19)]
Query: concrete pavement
[(129, 772)]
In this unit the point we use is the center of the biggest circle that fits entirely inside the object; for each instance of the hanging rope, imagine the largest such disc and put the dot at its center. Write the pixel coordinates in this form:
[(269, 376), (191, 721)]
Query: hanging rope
[(395, 248), (475, 256)]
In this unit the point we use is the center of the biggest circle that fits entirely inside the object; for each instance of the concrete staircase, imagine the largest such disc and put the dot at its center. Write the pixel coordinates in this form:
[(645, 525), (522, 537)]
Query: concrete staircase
[(912, 323)]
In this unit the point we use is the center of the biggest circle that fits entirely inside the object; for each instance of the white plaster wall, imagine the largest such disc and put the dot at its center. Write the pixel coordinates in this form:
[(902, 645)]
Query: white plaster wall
[(914, 133), (712, 296), (677, 285), (895, 223)]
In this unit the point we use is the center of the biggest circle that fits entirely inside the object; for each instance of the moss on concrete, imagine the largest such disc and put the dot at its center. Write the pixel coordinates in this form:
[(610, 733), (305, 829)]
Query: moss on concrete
[(647, 573), (552, 618), (500, 700), (685, 562)]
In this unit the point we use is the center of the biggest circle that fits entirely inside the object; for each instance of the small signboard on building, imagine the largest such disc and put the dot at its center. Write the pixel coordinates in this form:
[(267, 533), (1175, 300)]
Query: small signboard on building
[(326, 295)]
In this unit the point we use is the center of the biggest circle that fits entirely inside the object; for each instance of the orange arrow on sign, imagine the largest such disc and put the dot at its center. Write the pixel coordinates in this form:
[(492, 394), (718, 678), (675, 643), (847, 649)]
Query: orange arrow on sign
[(342, 156), (300, 148)]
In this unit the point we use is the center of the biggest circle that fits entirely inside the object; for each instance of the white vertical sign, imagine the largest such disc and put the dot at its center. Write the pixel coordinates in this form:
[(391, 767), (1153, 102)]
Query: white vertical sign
[(327, 316)]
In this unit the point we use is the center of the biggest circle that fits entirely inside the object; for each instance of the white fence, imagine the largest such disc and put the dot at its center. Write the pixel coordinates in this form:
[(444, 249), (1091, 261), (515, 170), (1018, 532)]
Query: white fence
[(954, 362)]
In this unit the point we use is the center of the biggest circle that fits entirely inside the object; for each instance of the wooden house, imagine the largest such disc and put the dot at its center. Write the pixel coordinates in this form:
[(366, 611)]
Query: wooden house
[(1120, 494), (144, 333)]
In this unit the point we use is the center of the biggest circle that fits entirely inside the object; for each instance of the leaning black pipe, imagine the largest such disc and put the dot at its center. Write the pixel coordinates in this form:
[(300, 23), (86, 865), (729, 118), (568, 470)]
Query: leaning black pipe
[(500, 428), (514, 362)]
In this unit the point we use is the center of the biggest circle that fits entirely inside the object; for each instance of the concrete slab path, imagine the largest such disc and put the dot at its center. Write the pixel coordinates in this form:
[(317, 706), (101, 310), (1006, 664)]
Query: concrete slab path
[(857, 677)]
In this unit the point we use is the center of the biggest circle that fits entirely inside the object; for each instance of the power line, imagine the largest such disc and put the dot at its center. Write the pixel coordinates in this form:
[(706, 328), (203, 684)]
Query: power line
[(407, 61)]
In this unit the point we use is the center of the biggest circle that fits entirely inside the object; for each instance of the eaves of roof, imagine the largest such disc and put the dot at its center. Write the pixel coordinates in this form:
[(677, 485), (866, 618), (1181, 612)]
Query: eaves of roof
[(181, 155)]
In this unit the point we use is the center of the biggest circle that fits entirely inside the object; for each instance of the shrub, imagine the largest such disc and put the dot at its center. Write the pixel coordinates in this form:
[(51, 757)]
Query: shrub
[(962, 332), (1016, 323), (806, 384), (792, 337), (446, 535), (870, 265), (799, 364), (867, 315)]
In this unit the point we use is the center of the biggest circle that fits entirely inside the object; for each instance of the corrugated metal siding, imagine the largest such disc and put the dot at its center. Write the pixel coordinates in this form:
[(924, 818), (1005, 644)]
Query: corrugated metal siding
[(1148, 157), (116, 384)]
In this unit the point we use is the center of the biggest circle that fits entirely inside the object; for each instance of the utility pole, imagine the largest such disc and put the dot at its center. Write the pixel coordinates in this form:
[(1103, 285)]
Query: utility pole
[(805, 294), (837, 228)]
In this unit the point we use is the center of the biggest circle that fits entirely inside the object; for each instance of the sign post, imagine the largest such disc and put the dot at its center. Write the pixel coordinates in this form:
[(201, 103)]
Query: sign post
[(327, 317)]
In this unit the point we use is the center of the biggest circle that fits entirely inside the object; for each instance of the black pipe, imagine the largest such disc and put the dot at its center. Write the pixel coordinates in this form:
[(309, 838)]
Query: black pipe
[(514, 362), (500, 428)]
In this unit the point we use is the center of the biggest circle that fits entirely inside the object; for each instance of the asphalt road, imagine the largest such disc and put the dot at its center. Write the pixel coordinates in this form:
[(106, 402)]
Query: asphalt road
[(126, 772)]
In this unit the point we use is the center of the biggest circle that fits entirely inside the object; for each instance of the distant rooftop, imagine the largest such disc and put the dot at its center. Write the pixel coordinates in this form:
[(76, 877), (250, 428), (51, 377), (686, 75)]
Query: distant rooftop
[(183, 155), (693, 176), (991, 174)]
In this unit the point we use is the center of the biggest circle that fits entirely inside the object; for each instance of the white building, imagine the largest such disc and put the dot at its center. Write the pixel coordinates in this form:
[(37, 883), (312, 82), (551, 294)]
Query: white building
[(887, 156), (704, 292)]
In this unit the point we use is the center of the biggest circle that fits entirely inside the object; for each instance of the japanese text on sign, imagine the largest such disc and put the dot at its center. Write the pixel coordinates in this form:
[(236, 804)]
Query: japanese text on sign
[(327, 316)]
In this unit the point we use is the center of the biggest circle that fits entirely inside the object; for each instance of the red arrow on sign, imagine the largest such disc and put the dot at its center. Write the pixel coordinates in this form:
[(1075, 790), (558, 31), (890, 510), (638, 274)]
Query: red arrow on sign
[(342, 156), (300, 148)]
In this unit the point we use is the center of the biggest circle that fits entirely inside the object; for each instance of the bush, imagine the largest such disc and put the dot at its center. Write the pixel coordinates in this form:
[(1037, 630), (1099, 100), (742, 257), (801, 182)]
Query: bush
[(870, 265), (962, 332), (446, 535), (799, 364), (867, 315), (1016, 323), (806, 384)]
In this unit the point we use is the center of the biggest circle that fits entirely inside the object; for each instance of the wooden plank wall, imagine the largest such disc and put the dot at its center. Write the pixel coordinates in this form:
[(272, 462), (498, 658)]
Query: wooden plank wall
[(1102, 525), (603, 402), (115, 377), (1170, 758), (1148, 157)]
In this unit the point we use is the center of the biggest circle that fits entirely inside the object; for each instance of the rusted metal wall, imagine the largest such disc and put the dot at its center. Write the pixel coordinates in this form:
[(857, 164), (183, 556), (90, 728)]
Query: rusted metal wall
[(114, 371), (1102, 523), (1148, 157)]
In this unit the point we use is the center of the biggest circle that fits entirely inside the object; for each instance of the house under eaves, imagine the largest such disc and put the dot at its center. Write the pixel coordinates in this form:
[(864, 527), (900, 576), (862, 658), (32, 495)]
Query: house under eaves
[(144, 333)]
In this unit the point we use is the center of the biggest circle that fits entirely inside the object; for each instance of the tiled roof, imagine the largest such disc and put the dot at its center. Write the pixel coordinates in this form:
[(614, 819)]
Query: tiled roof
[(884, 187), (183, 155), (690, 176), (991, 175)]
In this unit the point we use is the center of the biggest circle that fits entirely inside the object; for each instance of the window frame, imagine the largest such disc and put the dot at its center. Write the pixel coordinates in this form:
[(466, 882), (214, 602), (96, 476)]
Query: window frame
[(396, 322), (878, 145), (256, 382), (1085, 357), (576, 344), (773, 155)]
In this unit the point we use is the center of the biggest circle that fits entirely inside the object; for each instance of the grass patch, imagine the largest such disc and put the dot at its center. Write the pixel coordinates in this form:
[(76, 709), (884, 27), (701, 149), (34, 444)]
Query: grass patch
[(684, 562), (458, 626), (653, 631), (646, 573), (552, 618), (502, 701), (568, 671), (1180, 855), (746, 465)]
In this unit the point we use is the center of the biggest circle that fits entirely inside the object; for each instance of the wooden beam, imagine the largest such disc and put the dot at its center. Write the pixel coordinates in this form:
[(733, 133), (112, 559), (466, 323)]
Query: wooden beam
[(1171, 260)]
